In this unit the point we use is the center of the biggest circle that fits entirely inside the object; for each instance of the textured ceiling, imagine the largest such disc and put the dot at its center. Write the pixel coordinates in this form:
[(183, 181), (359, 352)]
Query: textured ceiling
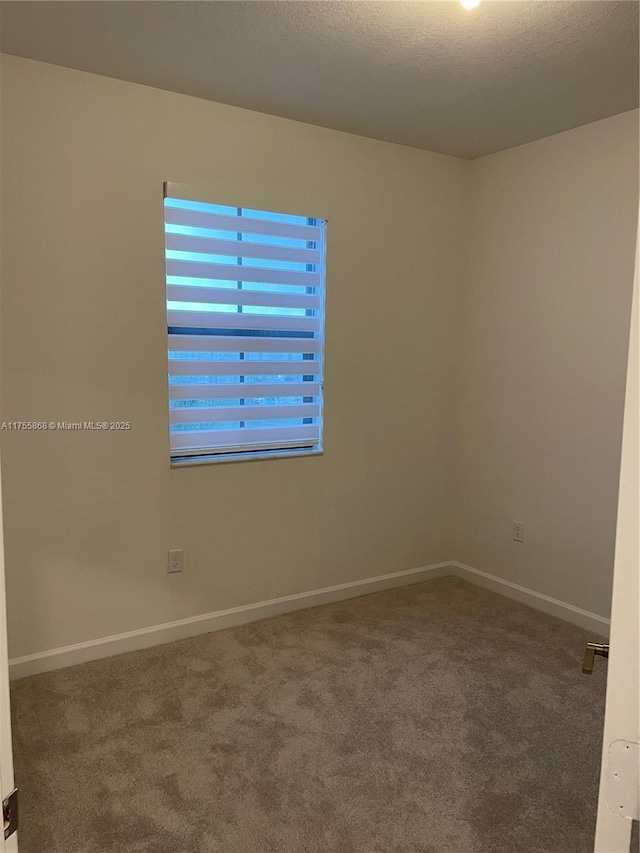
[(427, 74)]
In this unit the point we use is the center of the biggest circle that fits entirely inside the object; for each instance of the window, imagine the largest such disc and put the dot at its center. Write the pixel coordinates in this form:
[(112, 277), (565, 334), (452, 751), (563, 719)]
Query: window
[(245, 315)]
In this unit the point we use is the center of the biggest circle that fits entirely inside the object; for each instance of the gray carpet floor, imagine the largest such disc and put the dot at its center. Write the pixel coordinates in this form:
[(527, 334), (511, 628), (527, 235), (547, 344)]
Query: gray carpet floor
[(436, 718)]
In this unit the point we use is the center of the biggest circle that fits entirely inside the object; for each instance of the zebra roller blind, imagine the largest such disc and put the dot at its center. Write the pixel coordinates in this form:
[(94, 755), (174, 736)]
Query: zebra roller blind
[(245, 316)]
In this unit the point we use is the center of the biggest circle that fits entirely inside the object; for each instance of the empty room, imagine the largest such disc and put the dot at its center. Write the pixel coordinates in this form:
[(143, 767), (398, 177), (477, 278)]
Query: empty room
[(319, 426)]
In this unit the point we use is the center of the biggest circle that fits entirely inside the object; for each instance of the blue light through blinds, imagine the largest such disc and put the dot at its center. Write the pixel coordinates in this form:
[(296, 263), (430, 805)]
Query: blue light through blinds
[(245, 316)]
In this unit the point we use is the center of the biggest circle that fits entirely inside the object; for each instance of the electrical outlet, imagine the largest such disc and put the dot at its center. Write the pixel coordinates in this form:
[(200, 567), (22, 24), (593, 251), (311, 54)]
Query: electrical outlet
[(518, 531), (176, 560)]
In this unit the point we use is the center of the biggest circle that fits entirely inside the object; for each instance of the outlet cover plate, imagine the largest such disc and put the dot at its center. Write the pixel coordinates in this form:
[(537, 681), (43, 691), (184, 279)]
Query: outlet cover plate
[(518, 531), (176, 561)]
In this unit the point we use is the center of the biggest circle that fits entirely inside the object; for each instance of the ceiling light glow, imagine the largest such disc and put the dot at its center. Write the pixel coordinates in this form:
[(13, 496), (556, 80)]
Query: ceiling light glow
[(469, 4)]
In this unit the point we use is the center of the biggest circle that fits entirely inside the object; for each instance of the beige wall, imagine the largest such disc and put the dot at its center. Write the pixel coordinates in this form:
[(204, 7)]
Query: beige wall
[(543, 344), (477, 319), (90, 516)]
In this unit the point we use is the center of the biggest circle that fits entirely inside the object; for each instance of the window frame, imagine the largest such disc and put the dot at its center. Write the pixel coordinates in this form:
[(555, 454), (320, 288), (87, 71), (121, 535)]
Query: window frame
[(296, 448)]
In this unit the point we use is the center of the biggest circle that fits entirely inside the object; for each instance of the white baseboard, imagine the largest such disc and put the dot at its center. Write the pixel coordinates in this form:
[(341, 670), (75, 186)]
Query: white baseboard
[(583, 618), (203, 624)]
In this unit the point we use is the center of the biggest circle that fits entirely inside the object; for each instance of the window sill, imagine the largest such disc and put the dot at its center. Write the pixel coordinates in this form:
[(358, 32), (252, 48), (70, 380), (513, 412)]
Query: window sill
[(191, 461)]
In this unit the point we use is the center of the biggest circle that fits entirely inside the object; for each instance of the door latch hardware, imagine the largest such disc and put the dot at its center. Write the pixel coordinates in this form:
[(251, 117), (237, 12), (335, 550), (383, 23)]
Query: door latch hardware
[(10, 813), (590, 653)]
